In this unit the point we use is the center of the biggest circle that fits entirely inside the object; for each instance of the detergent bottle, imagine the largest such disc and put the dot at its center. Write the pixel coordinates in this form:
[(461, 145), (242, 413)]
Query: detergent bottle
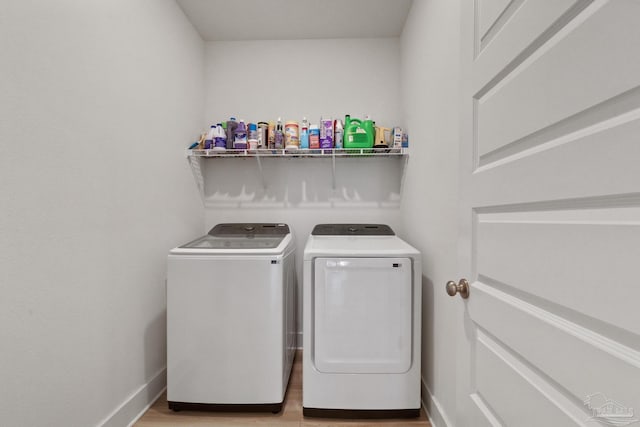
[(208, 141), (232, 124), (370, 128), (220, 138), (240, 137), (358, 133)]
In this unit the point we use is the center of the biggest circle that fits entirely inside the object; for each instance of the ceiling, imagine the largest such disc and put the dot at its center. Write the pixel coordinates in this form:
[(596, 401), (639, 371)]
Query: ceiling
[(225, 20)]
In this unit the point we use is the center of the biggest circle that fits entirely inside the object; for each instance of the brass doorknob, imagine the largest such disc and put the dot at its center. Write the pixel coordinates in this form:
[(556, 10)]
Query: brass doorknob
[(461, 288)]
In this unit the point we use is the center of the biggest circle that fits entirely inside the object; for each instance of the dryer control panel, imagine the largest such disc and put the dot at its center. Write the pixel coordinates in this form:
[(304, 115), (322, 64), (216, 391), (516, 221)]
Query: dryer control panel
[(352, 230)]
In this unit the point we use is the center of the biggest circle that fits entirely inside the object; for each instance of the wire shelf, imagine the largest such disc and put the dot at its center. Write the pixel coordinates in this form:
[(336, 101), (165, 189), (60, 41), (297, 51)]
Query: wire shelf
[(289, 153)]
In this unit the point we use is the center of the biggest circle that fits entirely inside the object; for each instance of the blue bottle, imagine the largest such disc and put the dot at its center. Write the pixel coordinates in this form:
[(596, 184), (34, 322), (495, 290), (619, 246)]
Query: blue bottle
[(304, 134)]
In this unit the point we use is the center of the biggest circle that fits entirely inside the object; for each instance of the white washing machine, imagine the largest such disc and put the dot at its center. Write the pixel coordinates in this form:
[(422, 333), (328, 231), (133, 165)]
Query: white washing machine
[(231, 298), (361, 323)]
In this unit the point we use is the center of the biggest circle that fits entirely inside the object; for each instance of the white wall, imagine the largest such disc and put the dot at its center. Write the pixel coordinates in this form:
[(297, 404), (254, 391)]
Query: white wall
[(99, 98), (430, 72), (297, 78), (261, 80)]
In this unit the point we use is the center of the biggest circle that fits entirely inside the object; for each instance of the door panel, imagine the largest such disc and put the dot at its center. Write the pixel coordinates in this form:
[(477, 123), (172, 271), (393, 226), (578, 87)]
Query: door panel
[(489, 13), (546, 242), (566, 354), (522, 397), (522, 27), (550, 214), (596, 161), (362, 315), (479, 413), (567, 75)]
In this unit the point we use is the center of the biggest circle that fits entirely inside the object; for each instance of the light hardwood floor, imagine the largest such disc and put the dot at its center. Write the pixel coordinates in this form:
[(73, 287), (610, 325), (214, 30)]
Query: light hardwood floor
[(291, 414)]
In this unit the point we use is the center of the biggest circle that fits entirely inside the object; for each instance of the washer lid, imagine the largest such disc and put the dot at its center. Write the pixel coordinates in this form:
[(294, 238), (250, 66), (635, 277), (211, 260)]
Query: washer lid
[(235, 242), (241, 236), (352, 230)]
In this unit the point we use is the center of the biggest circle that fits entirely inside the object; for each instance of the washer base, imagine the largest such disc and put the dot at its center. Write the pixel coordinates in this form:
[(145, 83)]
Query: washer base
[(224, 407)]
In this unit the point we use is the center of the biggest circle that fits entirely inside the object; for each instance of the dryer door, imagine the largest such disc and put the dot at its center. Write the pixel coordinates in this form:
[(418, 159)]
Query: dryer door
[(362, 315)]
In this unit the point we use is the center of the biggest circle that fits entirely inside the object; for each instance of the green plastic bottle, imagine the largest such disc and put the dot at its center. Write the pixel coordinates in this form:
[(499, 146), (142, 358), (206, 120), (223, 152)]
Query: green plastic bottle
[(358, 133), (370, 129)]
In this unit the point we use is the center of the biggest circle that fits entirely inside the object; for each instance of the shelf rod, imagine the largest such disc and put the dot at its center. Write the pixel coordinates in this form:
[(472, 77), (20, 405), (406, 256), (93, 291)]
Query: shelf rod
[(264, 182), (333, 169)]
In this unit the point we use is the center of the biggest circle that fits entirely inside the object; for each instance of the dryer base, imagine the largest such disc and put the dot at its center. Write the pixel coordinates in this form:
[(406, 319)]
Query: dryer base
[(360, 413)]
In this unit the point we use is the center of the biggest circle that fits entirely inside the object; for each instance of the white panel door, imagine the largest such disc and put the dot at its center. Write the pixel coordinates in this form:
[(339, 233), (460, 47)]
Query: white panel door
[(362, 315), (550, 213)]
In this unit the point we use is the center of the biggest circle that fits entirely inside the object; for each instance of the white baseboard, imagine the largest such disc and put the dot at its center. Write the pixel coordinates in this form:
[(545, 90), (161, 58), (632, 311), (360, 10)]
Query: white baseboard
[(435, 412), (138, 402)]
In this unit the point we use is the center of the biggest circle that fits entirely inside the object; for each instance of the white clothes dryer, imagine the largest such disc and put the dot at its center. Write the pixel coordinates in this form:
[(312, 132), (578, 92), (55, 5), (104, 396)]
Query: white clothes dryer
[(361, 323), (231, 336)]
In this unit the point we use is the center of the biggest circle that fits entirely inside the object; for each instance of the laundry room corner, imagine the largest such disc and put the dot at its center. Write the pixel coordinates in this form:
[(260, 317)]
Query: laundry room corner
[(430, 49)]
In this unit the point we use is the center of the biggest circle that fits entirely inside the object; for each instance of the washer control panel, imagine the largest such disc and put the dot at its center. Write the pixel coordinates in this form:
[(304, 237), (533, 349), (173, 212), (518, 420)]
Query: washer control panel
[(244, 229)]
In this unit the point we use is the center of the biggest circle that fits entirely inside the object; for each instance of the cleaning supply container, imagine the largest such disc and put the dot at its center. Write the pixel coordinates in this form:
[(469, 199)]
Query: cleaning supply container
[(304, 134), (358, 133), (314, 137), (291, 138)]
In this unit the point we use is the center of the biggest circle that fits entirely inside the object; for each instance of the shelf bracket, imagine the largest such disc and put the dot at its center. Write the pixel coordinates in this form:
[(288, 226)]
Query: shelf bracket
[(264, 182), (196, 169), (196, 158), (333, 169)]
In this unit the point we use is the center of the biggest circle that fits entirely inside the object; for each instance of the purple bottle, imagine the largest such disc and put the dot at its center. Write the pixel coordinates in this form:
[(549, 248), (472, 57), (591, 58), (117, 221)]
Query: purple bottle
[(326, 132), (279, 135), (231, 131), (240, 140)]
